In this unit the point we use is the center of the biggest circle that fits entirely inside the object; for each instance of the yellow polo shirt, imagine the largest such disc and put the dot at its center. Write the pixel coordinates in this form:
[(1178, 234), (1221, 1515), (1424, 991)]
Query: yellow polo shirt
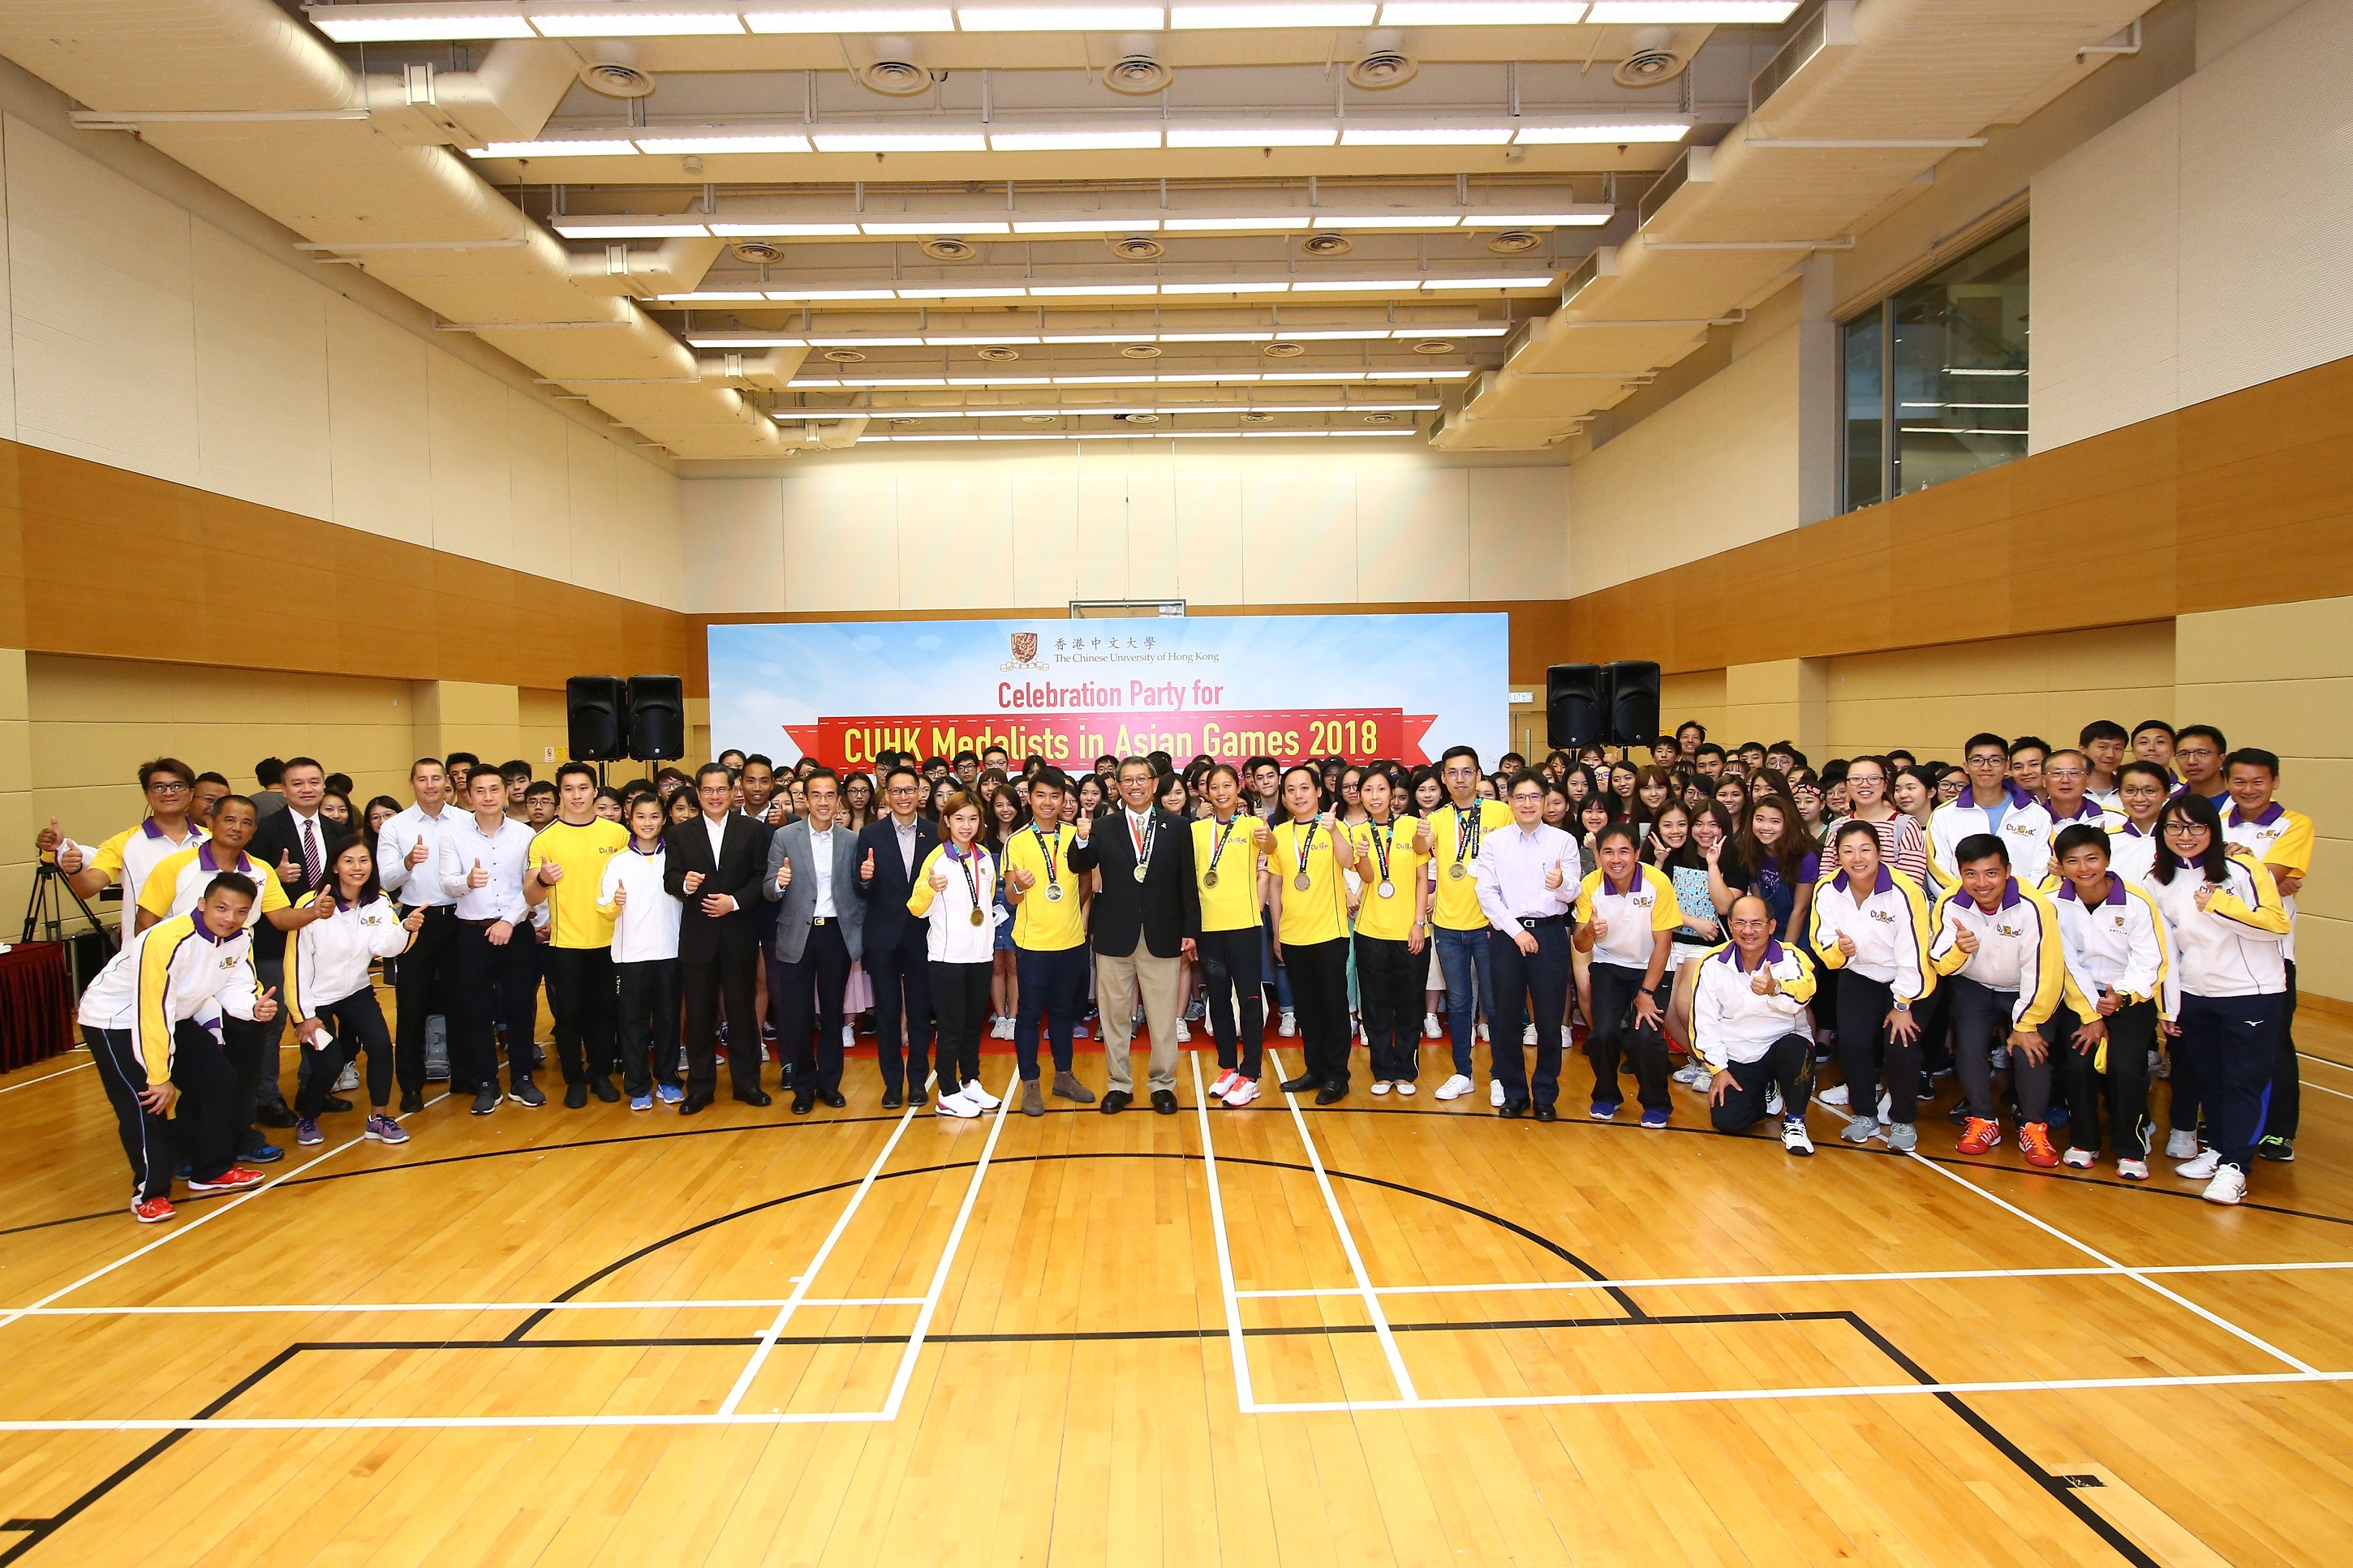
[(584, 851), (1232, 904), (1040, 924), (1319, 912), (1456, 905), (1389, 919)]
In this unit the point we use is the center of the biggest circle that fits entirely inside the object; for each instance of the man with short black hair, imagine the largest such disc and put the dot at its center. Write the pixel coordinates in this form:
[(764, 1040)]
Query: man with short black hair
[(483, 865), (1996, 804), (567, 864), (895, 943), (2102, 742), (294, 843), (2027, 755), (1688, 735), (811, 875), (1709, 761), (518, 777), (1453, 836), (407, 856), (936, 768), (268, 773), (967, 767), (2282, 840), (210, 788), (1998, 940), (993, 756), (2197, 754), (714, 864), (1050, 940), (460, 766), (1145, 917), (172, 823), (2152, 741)]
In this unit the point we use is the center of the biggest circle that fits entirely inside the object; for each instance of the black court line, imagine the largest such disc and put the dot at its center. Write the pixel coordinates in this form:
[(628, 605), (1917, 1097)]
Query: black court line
[(2060, 1488)]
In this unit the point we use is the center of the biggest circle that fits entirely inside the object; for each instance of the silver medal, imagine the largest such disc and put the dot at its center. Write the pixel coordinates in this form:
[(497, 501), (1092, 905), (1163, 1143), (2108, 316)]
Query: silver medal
[(1302, 882), (1386, 889), (1053, 894)]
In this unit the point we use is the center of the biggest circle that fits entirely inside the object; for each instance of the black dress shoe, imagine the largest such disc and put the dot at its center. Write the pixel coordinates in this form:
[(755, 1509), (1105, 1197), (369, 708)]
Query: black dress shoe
[(602, 1088), (576, 1095), (802, 1103), (755, 1097), (693, 1103), (1546, 1113), (334, 1102), (834, 1098), (1304, 1083), (411, 1101), (1513, 1108), (1332, 1094), (1116, 1101), (893, 1100), (274, 1114), (1163, 1100)]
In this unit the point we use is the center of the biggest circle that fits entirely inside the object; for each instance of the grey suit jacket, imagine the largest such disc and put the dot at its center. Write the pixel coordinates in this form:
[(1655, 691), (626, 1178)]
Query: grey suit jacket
[(799, 900)]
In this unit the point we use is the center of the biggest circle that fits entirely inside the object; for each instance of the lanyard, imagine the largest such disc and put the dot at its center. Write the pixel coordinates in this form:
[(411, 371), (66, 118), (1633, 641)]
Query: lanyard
[(1224, 831), (1306, 846), (1049, 849), (1143, 839), (970, 865), (1466, 832), (1380, 843)]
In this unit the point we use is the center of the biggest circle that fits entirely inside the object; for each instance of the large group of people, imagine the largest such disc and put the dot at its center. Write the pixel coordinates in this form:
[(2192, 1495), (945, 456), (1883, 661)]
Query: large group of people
[(2050, 926)]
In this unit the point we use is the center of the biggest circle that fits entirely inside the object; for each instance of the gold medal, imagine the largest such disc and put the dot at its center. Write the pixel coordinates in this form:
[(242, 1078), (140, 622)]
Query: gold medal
[(1140, 872), (1455, 871), (1208, 879), (977, 917)]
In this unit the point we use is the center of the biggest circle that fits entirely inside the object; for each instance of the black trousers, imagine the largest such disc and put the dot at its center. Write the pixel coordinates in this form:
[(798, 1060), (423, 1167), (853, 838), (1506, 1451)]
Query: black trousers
[(1616, 1036), (902, 974), (960, 991), (805, 999), (1319, 996), (2235, 1041), (726, 977), (1388, 986), (1052, 992), (1540, 979), (1788, 1064), (1982, 1019), (201, 1132), (646, 1032), (1230, 970), (357, 1024), (582, 994), (422, 986), (494, 984), (248, 1048), (1863, 1004), (2287, 1078), (2122, 1090)]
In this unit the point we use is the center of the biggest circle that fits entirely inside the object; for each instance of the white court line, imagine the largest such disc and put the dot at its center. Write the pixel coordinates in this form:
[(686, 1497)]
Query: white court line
[(1702, 1281), (956, 1239), (1349, 1246), (322, 1308), (44, 1077), (209, 1215), (2326, 1061), (2139, 1276), (1663, 1396), (1242, 1390), (800, 1298), (2325, 1090)]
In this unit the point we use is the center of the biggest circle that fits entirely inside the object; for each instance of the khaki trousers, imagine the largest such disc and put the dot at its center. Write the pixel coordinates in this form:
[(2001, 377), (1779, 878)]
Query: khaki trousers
[(1117, 980)]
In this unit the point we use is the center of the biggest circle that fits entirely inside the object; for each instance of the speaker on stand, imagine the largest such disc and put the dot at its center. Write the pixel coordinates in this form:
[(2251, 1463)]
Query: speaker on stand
[(1633, 686), (657, 718), (595, 719), (1576, 706)]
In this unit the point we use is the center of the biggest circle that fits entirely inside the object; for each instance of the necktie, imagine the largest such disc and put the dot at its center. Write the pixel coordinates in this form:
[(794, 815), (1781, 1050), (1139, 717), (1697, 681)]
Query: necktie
[(310, 867)]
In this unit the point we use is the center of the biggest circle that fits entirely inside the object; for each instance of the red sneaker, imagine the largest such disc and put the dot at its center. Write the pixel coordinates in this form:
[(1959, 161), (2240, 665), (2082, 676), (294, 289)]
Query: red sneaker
[(2035, 1139), (152, 1211), (234, 1179), (1979, 1136)]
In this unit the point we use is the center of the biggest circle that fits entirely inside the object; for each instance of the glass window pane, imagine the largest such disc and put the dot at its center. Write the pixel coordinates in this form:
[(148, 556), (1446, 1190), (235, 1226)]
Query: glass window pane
[(1959, 364), (1866, 443)]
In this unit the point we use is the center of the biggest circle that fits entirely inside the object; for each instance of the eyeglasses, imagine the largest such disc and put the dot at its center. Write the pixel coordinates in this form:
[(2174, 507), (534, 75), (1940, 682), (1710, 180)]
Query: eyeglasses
[(167, 786), (2184, 828)]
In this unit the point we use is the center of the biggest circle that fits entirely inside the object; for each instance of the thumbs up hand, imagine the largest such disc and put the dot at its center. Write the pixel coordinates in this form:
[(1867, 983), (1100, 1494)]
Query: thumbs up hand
[(285, 867), (621, 899), (783, 875), (938, 880), (478, 877), (866, 871), (1552, 877), (73, 858), (416, 854), (1021, 879), (265, 1007), (48, 838)]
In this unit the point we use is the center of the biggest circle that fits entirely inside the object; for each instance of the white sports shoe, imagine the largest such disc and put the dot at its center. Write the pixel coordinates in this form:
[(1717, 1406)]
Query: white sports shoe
[(1772, 1099), (957, 1105), (979, 1097), (1380, 1086), (1225, 1084), (1887, 1105), (2081, 1159), (1429, 1030), (1483, 1031), (1495, 1092), (1184, 1033), (2228, 1186), (1794, 1136), (1405, 1087), (1834, 1095), (2202, 1168), (1528, 1034), (2132, 1170), (1245, 1089), (1287, 1025), (1455, 1088), (850, 1036), (2181, 1144)]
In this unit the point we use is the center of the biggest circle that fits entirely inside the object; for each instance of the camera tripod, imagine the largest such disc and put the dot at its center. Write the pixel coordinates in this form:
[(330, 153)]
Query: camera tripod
[(44, 912)]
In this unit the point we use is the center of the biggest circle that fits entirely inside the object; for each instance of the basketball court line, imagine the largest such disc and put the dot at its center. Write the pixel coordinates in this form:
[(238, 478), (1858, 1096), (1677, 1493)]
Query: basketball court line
[(209, 1215), (1704, 1281), (44, 1077), (1245, 1394), (947, 1255)]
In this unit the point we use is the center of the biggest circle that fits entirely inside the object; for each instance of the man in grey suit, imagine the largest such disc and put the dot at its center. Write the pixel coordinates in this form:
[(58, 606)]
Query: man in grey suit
[(813, 874)]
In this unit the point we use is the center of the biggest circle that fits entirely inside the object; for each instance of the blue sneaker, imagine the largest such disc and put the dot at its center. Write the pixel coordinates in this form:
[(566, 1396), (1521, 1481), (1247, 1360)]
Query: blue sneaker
[(306, 1131), (268, 1154), (641, 1102), (1605, 1110), (1654, 1118), (187, 1171), (668, 1093)]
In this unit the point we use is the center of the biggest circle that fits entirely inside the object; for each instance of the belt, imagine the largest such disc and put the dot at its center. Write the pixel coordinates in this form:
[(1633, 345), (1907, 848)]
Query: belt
[(1531, 923), (430, 910), (823, 920), (478, 926)]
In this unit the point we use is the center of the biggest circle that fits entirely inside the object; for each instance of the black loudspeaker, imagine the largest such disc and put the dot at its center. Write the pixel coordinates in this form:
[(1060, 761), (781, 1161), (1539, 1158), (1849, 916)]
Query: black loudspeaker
[(595, 711), (1576, 706), (1633, 686), (658, 718)]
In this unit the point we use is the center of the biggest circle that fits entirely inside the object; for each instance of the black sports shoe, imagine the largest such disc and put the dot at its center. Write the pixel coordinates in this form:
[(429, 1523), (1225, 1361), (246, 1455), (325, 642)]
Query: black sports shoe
[(274, 1114), (2277, 1149), (486, 1100), (576, 1095)]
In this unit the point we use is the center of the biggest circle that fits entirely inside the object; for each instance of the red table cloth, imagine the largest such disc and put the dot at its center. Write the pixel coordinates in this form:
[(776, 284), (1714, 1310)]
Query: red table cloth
[(37, 1004)]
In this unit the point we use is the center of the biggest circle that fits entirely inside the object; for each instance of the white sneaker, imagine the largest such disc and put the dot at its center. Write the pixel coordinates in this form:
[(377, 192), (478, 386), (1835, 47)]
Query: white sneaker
[(2202, 1168), (1429, 1030), (2081, 1159), (1772, 1099), (1225, 1084), (2181, 1144), (980, 1097), (2228, 1186), (1245, 1089), (1691, 1075), (1380, 1086), (850, 1036), (1483, 1031), (1794, 1136), (348, 1079), (957, 1105), (1287, 1025), (1834, 1095), (1886, 1105), (1528, 1034), (1184, 1034), (2132, 1170), (1404, 1086), (1455, 1088), (1495, 1092)]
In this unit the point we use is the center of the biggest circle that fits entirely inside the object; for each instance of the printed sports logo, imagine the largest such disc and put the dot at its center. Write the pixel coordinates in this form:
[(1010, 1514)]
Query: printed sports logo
[(1884, 917)]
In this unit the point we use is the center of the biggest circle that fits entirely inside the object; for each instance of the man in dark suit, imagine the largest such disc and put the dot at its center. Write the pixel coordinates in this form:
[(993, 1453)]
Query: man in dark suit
[(291, 840), (714, 864), (812, 879), (1144, 920), (888, 851)]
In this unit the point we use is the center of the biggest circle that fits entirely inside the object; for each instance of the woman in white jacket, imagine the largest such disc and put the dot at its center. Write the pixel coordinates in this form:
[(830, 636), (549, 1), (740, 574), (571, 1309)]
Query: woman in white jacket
[(2226, 984), (327, 984), (955, 892)]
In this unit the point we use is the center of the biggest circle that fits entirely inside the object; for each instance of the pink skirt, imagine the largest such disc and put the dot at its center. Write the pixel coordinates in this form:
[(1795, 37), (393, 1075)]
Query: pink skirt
[(858, 996)]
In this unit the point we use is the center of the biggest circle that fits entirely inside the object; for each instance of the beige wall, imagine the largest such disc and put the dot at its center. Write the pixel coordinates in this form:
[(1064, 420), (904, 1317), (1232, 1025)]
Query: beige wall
[(886, 532), (1929, 701)]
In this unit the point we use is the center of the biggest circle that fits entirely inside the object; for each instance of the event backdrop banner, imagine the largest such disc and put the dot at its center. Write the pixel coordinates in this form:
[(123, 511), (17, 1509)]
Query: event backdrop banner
[(1403, 686)]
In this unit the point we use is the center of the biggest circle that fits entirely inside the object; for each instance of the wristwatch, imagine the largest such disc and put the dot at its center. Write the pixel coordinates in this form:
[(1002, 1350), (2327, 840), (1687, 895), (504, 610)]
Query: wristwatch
[(1902, 1005)]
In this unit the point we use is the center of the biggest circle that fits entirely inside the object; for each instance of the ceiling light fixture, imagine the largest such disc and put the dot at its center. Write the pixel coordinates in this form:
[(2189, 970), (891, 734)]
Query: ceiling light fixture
[(1422, 343), (614, 226), (1138, 378), (1108, 135), (618, 23), (1524, 283)]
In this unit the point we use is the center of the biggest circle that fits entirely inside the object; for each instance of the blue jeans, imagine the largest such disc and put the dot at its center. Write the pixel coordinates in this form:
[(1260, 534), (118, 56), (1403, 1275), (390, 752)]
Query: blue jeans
[(1461, 958), (1267, 966)]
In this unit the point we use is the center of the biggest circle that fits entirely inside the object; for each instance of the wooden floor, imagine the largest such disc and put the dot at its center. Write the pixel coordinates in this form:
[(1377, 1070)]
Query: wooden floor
[(1382, 1333)]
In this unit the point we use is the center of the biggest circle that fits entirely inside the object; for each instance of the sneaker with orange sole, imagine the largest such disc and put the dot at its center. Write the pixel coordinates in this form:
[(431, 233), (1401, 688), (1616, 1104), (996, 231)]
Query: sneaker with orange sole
[(1979, 1136), (152, 1211), (2035, 1139)]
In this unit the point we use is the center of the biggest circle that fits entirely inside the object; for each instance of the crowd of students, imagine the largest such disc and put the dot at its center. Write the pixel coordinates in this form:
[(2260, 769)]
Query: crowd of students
[(2053, 927)]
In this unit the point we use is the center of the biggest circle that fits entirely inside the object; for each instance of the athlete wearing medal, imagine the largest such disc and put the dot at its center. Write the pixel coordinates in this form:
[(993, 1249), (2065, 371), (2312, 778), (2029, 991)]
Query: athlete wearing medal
[(1230, 847), (1050, 936), (1144, 921), (1392, 925), (956, 892), (1309, 902), (1452, 837)]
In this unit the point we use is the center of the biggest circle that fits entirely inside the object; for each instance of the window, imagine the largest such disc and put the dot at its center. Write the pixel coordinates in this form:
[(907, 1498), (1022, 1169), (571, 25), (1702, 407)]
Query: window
[(1935, 376)]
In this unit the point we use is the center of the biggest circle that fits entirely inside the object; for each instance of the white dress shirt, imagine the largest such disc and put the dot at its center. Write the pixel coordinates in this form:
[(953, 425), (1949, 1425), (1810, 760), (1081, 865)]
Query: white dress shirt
[(501, 853), (717, 827), (399, 836), (1512, 865), (821, 857)]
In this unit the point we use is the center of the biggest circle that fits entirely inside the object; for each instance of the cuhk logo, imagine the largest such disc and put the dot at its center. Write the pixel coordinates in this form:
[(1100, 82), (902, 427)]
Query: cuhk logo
[(1025, 647)]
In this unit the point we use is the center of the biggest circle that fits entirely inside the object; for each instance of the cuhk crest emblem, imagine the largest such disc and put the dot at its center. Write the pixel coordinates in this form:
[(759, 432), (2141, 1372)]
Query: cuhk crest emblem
[(1025, 647)]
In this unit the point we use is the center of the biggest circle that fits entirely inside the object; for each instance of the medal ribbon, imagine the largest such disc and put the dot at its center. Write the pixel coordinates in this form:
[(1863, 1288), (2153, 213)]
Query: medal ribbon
[(1307, 842), (1049, 849), (1381, 844), (970, 863), (1466, 832), (1224, 831), (1143, 839)]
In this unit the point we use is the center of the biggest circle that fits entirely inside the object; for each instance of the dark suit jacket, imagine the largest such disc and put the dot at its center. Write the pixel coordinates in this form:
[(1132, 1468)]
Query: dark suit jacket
[(281, 832), (743, 857), (887, 919), (1164, 908)]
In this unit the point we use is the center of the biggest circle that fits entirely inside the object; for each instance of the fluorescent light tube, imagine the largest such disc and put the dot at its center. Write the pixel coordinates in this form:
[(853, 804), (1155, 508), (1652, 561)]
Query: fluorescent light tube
[(1274, 15), (783, 230), (1091, 226), (556, 150), (1060, 18), (618, 23), (908, 21), (362, 24), (1426, 136), (1486, 220), (1015, 293), (1718, 12), (1379, 220), (1269, 135), (903, 142), (950, 227), (1356, 285), (1231, 286), (1119, 290), (1239, 225), (796, 295), (716, 297), (1482, 14), (572, 229), (1074, 140), (683, 145)]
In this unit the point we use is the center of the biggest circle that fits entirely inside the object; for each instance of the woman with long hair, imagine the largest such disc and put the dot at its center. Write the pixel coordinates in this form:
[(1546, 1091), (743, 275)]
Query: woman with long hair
[(1915, 793), (1229, 867), (1871, 921), (1623, 776), (1392, 928), (1731, 796), (857, 802), (683, 808), (2224, 928), (1007, 816), (1088, 801), (327, 984), (956, 894), (1781, 861), (1653, 789), (1308, 900)]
